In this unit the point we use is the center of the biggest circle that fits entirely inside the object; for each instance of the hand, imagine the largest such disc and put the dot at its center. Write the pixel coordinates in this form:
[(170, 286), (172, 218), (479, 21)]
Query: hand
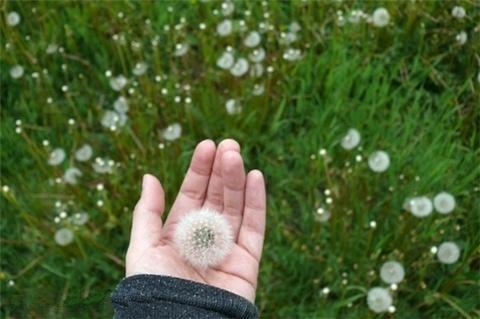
[(216, 178)]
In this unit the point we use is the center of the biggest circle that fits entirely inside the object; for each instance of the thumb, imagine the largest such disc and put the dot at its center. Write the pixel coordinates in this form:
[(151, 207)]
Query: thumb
[(147, 215)]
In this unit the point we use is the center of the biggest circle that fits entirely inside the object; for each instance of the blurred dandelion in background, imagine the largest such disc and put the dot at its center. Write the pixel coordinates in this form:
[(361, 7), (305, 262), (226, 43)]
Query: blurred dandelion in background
[(64, 236), (444, 203), (448, 253), (379, 161), (392, 272), (379, 299)]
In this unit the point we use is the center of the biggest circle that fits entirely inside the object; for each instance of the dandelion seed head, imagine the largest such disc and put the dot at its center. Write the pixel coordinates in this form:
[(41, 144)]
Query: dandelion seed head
[(71, 175), (63, 236), (226, 61), (448, 252), (56, 157), (380, 17), (180, 49), (224, 28), (16, 71), (392, 272), (203, 237), (232, 107), (240, 67), (292, 54), (444, 203), (253, 39), (80, 218), (322, 215), (420, 206), (351, 139), (379, 161), (458, 12), (13, 18), (379, 299), (140, 68), (118, 83), (172, 132), (121, 104), (257, 55), (258, 89)]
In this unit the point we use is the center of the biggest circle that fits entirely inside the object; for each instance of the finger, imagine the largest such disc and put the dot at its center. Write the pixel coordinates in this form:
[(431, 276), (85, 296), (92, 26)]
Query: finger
[(214, 197), (147, 215), (252, 230), (233, 177), (194, 187)]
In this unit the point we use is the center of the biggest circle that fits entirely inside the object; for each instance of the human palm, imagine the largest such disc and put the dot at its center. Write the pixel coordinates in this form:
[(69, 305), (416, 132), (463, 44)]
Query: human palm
[(216, 179)]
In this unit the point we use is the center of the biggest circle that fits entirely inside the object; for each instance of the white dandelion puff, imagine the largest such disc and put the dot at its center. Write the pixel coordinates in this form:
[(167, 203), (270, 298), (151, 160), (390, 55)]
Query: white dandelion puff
[(121, 105), (351, 139), (458, 12), (232, 107), (56, 157), (16, 71), (322, 215), (13, 18), (172, 132), (110, 119), (102, 166), (257, 55), (239, 68), (448, 252), (224, 28), (444, 203), (180, 49), (80, 218), (52, 48), (292, 54), (379, 161), (253, 39), (226, 61), (380, 17), (420, 206), (294, 27), (63, 236), (461, 37), (392, 272), (71, 175), (203, 237), (140, 68), (258, 89), (379, 299), (118, 83), (227, 8)]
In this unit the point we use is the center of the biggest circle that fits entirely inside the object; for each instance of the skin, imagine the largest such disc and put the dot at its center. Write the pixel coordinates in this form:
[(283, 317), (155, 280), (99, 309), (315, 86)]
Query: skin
[(216, 178)]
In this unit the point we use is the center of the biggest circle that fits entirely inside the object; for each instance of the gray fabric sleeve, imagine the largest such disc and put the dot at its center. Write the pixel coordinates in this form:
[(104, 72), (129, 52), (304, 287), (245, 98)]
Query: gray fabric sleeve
[(154, 296)]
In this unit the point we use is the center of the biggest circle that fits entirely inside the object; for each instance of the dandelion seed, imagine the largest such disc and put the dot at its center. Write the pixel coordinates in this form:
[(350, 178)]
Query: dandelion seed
[(118, 83), (292, 54), (392, 272), (80, 218), (202, 26), (5, 188), (239, 68), (434, 250), (172, 132), (64, 88), (392, 309), (16, 71), (373, 224), (224, 28), (56, 157), (379, 161), (226, 61), (351, 139), (233, 107), (270, 69), (11, 283), (448, 253), (379, 299), (18, 130), (99, 203), (227, 8), (63, 236), (13, 18), (63, 215), (203, 237), (322, 152), (180, 49), (140, 68), (161, 146), (458, 12), (71, 175), (461, 37), (419, 206), (444, 203), (329, 200), (253, 39), (380, 17), (393, 287), (325, 291)]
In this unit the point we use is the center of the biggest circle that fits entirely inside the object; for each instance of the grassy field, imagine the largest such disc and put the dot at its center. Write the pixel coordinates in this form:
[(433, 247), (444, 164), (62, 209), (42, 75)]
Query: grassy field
[(407, 82)]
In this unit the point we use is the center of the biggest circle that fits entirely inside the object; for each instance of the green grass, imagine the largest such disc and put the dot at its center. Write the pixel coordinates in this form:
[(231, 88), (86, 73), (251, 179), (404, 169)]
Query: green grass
[(409, 88)]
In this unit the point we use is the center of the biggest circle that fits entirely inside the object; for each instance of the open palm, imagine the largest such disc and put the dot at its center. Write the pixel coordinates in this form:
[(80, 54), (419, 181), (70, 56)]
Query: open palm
[(216, 179)]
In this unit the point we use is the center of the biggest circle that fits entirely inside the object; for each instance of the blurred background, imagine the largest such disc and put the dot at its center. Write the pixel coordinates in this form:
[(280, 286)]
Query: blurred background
[(363, 115)]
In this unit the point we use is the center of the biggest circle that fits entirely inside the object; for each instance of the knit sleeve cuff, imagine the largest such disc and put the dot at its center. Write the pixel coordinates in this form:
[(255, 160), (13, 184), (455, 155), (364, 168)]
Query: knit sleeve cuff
[(155, 296)]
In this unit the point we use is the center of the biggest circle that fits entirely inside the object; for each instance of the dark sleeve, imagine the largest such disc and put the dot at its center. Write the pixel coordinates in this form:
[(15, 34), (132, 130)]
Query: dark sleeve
[(154, 296)]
